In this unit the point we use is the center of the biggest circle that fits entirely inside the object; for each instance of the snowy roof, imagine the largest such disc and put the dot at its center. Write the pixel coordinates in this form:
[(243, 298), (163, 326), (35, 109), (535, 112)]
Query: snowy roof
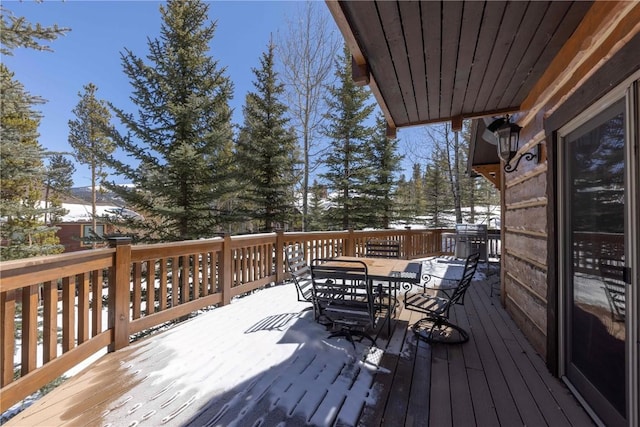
[(82, 212)]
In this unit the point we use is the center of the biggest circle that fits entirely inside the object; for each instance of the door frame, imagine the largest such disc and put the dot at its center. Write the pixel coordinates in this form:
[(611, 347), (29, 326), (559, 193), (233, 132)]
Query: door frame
[(615, 71), (626, 92)]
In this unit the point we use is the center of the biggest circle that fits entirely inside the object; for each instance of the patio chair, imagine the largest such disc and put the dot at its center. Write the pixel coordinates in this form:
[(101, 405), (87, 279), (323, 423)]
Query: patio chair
[(435, 304), (295, 257), (345, 296), (376, 248)]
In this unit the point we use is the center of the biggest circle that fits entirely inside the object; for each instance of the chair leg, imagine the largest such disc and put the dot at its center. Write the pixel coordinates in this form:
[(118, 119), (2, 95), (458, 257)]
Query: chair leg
[(439, 330)]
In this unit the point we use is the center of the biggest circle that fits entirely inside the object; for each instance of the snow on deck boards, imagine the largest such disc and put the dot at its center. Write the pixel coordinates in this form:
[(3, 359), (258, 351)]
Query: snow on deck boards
[(260, 361), (263, 361)]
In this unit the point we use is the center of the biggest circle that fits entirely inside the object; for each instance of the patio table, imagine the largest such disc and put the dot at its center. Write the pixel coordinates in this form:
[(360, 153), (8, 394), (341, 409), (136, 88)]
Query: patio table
[(390, 271)]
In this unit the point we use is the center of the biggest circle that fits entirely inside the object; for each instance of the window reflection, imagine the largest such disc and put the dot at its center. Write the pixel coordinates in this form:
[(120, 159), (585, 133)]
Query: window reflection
[(596, 206)]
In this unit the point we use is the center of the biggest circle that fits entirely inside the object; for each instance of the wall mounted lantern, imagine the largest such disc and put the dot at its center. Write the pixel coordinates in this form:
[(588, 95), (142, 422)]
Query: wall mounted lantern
[(508, 135)]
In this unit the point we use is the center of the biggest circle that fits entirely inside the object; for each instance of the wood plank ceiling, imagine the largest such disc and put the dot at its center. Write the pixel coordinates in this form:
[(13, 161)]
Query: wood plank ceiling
[(434, 61)]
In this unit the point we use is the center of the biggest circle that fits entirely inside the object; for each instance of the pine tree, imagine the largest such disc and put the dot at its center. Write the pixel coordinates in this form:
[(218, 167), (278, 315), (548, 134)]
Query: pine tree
[(318, 196), (404, 210), (181, 137), (22, 229), (88, 135), (346, 162), (266, 149), (383, 164), (23, 232), (17, 32), (58, 182)]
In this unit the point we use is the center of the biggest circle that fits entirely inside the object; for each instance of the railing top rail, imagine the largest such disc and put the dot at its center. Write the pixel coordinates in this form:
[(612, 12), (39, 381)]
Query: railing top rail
[(52, 259), (163, 250), (19, 273), (309, 235)]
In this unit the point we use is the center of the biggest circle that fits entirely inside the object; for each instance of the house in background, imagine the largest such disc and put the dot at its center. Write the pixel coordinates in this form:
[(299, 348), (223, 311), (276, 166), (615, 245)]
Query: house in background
[(76, 227), (563, 79)]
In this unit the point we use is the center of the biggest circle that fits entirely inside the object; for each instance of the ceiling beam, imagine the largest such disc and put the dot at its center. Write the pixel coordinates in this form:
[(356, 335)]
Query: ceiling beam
[(360, 73)]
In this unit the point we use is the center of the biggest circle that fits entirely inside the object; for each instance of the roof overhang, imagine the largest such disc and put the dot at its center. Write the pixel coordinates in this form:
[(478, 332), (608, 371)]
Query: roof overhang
[(435, 61)]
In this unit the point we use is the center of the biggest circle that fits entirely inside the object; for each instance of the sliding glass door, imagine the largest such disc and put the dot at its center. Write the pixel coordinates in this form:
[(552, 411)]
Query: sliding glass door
[(598, 210)]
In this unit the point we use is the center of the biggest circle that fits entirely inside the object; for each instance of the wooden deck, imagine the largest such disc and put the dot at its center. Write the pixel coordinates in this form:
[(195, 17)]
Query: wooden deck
[(495, 379)]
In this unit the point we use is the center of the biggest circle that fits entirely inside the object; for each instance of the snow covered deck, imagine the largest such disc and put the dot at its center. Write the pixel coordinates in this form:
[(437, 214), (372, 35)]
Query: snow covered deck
[(263, 361)]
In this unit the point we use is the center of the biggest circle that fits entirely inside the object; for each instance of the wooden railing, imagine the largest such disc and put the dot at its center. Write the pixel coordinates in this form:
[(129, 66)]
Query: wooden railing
[(53, 307), (590, 249)]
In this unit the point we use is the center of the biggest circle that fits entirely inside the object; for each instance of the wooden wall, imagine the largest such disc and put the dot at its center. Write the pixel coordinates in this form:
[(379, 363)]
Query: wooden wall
[(70, 235), (528, 285)]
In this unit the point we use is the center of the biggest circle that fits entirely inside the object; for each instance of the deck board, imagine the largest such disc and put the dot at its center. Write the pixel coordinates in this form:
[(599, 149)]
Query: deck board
[(494, 379)]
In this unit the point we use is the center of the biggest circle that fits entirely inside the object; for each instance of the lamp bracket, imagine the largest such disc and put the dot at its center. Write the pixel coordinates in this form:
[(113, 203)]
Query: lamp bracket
[(508, 167)]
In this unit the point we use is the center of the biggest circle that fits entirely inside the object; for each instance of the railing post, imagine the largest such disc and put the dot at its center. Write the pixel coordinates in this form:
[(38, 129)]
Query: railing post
[(438, 241), (408, 251), (279, 256), (227, 271), (350, 244), (119, 292)]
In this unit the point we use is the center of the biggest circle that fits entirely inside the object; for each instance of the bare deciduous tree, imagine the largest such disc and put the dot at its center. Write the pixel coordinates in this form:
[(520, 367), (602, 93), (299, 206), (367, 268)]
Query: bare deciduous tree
[(307, 51), (451, 152)]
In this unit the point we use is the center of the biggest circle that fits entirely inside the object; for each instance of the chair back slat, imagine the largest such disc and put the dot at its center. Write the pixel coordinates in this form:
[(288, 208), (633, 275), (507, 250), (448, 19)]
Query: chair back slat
[(471, 264), (344, 293), (300, 271)]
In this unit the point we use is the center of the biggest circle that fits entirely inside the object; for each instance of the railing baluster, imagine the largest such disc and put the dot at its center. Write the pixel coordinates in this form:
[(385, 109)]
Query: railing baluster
[(137, 289), (83, 307), (68, 313), (96, 302), (49, 321), (162, 272), (175, 277), (7, 337), (151, 287), (29, 328), (204, 267)]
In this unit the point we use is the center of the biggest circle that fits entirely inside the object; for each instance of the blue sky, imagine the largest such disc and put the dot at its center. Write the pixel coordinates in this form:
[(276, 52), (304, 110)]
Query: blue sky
[(100, 30)]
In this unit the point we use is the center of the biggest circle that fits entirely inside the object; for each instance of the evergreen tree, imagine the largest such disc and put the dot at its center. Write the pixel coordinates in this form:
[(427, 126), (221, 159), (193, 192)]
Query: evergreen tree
[(88, 135), (404, 209), (318, 197), (17, 32), (383, 164), (23, 232), (417, 191), (346, 162), (58, 182), (181, 136), (266, 149), (22, 229)]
